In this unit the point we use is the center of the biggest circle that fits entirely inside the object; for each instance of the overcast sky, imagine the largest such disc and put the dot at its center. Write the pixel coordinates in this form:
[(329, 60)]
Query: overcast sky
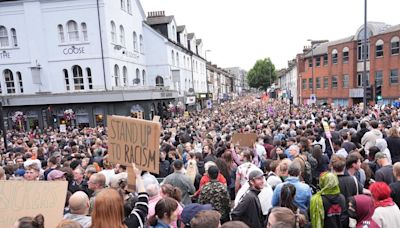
[(238, 32)]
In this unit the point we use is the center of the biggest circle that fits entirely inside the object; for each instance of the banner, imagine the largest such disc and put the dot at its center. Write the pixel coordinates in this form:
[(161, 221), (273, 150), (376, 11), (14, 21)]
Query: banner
[(244, 139), (30, 198), (134, 140)]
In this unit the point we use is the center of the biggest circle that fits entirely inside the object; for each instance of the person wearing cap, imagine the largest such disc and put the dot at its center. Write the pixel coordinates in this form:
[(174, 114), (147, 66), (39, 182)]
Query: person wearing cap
[(56, 175), (249, 208), (385, 173), (190, 211), (216, 194)]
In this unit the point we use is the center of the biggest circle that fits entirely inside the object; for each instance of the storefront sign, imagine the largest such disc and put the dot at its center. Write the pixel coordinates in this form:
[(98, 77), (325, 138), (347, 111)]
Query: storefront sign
[(164, 94), (134, 140), (190, 100), (130, 54), (5, 55), (73, 50)]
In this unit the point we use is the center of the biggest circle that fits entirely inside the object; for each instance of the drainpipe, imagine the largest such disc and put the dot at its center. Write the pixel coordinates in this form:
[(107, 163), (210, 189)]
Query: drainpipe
[(101, 46)]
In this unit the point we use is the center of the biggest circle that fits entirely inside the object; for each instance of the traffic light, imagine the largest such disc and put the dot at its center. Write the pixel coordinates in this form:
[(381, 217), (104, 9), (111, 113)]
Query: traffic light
[(368, 93), (378, 92), (54, 119)]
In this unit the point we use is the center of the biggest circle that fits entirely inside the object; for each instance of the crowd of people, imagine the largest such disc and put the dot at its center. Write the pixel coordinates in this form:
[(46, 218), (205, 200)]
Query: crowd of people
[(296, 174)]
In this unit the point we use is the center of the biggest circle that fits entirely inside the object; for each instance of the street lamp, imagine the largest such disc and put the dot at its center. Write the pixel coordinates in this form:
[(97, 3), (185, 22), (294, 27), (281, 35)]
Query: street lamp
[(312, 64), (205, 54)]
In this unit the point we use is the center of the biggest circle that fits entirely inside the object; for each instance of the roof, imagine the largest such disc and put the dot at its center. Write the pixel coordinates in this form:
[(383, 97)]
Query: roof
[(322, 48), (159, 20), (392, 29), (190, 36), (198, 41), (180, 28)]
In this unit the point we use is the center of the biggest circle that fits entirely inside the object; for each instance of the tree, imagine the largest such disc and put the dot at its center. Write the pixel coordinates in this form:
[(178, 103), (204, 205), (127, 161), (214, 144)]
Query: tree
[(262, 75)]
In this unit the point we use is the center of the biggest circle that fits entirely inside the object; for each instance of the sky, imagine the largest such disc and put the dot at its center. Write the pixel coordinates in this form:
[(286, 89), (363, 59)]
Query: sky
[(239, 32)]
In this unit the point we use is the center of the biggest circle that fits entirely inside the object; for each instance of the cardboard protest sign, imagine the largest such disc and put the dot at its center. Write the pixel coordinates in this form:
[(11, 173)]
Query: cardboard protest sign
[(156, 119), (131, 179), (244, 139), (30, 198), (134, 140)]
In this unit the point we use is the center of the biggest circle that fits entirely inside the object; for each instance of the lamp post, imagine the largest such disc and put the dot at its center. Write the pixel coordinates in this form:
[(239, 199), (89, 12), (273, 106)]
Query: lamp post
[(364, 55), (205, 56), (312, 65)]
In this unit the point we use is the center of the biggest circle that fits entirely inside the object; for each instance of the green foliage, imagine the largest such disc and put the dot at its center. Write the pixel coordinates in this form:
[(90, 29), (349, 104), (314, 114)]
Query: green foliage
[(262, 75)]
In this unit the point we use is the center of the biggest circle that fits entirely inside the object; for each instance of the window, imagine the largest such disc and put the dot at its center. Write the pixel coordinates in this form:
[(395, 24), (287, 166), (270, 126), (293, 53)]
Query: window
[(137, 76), (14, 37), (141, 48), (78, 78), (20, 83), (394, 76), (122, 35), (184, 61), (61, 33), (378, 77), (89, 77), (334, 81), (66, 79), (159, 81), (177, 59), (116, 75), (144, 77), (113, 32), (84, 32), (379, 48), (360, 79), (304, 84), (345, 81), (173, 58), (360, 50), (123, 7), (135, 47), (173, 33), (310, 83), (3, 37), (394, 45), (318, 61), (129, 6), (334, 56), (325, 59), (326, 82), (345, 55), (9, 80), (310, 62), (73, 33), (124, 76), (318, 83)]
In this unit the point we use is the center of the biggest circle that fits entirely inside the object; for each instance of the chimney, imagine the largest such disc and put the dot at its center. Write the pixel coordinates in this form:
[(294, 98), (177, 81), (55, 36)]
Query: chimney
[(156, 14)]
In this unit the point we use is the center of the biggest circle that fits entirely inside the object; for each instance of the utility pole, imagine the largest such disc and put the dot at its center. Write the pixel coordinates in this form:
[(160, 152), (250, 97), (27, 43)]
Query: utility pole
[(364, 53), (2, 126)]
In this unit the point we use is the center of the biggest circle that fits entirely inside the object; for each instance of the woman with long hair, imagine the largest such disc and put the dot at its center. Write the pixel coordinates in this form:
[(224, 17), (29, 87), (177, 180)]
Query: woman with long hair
[(108, 211), (288, 194), (327, 205), (175, 193), (165, 213)]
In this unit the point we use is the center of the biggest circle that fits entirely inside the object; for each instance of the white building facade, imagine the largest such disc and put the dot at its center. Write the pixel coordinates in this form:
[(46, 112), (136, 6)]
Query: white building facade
[(87, 55), (288, 81)]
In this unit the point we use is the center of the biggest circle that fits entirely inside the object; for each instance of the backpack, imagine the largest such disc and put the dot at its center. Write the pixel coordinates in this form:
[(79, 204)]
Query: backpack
[(307, 171)]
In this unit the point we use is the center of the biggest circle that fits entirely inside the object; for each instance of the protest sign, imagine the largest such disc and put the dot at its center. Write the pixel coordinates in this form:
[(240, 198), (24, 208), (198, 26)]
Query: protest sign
[(156, 119), (30, 198), (244, 139), (131, 179), (63, 128), (134, 140)]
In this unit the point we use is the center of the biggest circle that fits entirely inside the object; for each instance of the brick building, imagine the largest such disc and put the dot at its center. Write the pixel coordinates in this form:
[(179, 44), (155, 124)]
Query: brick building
[(333, 71)]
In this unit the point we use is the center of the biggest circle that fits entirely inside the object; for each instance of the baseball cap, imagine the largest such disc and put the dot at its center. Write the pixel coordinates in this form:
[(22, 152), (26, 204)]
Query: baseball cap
[(55, 174), (380, 155), (191, 210), (255, 174)]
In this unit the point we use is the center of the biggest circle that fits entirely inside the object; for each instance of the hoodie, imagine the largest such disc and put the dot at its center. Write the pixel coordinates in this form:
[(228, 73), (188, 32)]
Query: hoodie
[(365, 209), (369, 139), (382, 145)]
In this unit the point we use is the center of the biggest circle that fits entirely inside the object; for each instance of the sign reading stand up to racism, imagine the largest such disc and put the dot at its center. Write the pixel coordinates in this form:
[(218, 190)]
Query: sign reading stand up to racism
[(134, 140)]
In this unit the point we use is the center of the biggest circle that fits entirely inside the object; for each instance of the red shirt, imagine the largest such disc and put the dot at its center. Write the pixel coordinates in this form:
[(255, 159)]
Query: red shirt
[(205, 179)]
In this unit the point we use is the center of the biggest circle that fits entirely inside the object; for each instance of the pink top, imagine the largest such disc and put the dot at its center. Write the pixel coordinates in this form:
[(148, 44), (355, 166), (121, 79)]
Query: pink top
[(152, 206)]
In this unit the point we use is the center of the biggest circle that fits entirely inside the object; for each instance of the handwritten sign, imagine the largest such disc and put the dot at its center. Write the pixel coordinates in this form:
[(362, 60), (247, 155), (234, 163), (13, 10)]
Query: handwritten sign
[(29, 198), (244, 139), (63, 128), (134, 140), (131, 179)]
